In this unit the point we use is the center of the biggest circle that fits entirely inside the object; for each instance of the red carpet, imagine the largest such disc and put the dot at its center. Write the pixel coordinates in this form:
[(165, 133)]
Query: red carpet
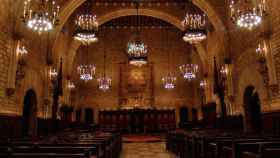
[(141, 138)]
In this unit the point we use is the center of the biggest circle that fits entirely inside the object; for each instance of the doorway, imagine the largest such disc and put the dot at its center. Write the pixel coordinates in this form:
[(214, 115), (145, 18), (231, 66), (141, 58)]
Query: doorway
[(89, 116), (184, 117), (252, 110), (29, 126)]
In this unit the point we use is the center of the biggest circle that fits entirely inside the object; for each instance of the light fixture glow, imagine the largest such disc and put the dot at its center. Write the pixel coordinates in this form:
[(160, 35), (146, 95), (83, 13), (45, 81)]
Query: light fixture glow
[(169, 81), (86, 72), (189, 71), (40, 16), (247, 14)]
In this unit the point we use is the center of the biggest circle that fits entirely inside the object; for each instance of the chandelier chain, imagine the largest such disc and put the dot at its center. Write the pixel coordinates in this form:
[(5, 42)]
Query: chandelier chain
[(104, 55)]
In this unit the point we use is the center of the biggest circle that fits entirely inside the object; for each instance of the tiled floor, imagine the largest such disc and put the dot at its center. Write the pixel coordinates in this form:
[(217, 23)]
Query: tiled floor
[(145, 150)]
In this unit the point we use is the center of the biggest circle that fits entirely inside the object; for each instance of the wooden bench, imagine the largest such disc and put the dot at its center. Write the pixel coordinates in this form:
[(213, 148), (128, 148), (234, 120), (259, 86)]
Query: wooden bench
[(267, 153), (257, 149), (46, 155), (87, 149)]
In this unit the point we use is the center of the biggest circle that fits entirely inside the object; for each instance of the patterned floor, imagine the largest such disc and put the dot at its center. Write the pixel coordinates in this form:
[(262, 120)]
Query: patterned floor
[(145, 150)]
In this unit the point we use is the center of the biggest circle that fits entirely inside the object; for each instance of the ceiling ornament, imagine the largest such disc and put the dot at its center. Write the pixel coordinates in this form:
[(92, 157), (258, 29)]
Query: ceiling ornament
[(247, 14), (40, 15), (86, 70), (194, 24), (190, 70), (86, 25), (136, 48)]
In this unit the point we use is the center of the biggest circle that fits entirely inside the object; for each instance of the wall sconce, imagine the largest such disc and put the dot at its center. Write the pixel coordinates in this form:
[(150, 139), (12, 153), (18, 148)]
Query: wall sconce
[(21, 52), (52, 73), (203, 84), (262, 50), (71, 85), (224, 70), (21, 57)]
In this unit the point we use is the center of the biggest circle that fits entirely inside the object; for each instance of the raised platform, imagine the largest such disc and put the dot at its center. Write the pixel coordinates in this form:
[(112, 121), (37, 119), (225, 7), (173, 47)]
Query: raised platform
[(142, 138)]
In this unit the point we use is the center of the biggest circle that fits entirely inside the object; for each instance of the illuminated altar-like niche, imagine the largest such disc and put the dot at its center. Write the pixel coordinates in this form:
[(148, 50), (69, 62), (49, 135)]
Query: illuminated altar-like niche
[(136, 86)]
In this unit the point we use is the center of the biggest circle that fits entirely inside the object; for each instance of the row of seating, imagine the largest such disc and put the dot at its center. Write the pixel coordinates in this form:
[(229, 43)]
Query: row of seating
[(66, 145), (216, 144)]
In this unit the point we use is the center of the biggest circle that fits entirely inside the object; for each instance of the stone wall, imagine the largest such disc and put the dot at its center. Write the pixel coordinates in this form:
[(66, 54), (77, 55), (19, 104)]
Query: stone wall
[(184, 94), (275, 37), (34, 69), (241, 47), (7, 104)]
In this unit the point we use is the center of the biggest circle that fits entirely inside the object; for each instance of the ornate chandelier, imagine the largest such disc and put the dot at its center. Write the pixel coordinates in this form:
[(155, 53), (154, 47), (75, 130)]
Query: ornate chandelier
[(86, 26), (247, 13), (136, 49), (169, 81), (189, 71), (86, 71), (104, 82), (195, 28), (137, 52), (40, 15)]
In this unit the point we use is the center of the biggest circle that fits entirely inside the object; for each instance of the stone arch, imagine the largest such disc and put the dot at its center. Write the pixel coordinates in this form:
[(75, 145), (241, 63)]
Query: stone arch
[(34, 79), (72, 5), (127, 12), (250, 77), (29, 114), (248, 73)]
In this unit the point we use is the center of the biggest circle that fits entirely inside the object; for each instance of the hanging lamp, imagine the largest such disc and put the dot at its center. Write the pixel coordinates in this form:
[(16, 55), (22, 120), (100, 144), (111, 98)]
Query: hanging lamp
[(104, 82), (136, 49), (86, 71), (169, 81), (86, 25)]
